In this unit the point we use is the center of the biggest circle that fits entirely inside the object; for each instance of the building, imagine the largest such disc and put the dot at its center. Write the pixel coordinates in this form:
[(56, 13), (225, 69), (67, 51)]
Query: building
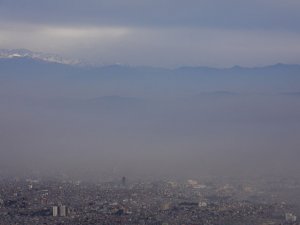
[(54, 211), (290, 217), (124, 181), (202, 204), (59, 211), (166, 206), (62, 210)]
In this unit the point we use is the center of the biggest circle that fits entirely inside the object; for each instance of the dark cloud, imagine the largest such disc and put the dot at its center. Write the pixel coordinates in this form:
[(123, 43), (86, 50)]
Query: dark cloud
[(262, 14)]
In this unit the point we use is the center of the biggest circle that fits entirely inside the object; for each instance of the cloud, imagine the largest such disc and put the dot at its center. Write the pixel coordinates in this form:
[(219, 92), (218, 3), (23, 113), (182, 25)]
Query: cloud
[(77, 33), (59, 39), (142, 46), (270, 14), (159, 32)]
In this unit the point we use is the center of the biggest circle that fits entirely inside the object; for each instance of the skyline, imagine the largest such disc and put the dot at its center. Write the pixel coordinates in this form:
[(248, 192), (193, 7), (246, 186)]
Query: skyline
[(157, 33)]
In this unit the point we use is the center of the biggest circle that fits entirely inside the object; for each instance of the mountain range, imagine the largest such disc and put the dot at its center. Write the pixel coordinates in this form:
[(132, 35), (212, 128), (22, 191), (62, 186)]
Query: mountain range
[(39, 56), (25, 54), (27, 65)]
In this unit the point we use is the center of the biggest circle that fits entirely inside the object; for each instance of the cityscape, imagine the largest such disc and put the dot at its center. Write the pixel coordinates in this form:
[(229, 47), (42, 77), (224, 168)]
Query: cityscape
[(149, 112), (208, 201)]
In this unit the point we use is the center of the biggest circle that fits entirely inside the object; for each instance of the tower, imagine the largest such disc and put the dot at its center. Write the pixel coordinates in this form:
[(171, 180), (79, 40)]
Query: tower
[(124, 181)]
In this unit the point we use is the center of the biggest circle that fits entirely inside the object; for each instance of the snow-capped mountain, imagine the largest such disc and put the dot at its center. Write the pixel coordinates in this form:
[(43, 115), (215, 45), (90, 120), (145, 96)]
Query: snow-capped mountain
[(53, 58)]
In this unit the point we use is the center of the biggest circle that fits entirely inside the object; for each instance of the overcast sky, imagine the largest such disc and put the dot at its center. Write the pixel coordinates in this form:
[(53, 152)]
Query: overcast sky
[(166, 33)]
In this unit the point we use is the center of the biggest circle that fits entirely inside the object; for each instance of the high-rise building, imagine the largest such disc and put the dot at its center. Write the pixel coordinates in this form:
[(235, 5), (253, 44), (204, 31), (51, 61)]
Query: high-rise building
[(62, 210), (54, 211), (59, 210)]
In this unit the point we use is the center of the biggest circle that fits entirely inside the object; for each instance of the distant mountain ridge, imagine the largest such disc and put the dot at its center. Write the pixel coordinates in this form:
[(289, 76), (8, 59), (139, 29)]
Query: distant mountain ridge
[(15, 54), (46, 57)]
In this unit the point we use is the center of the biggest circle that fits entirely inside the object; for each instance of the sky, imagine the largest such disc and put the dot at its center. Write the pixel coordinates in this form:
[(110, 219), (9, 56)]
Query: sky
[(167, 33)]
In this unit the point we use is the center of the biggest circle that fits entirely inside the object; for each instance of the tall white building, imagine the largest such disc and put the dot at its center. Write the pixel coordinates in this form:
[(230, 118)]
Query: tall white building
[(59, 210), (54, 211)]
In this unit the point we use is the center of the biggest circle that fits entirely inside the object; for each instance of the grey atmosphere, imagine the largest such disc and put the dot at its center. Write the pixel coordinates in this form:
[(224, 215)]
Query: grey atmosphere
[(149, 122)]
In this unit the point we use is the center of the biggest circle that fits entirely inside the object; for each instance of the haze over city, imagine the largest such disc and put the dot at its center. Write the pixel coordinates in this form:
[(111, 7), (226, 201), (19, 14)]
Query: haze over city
[(149, 112)]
